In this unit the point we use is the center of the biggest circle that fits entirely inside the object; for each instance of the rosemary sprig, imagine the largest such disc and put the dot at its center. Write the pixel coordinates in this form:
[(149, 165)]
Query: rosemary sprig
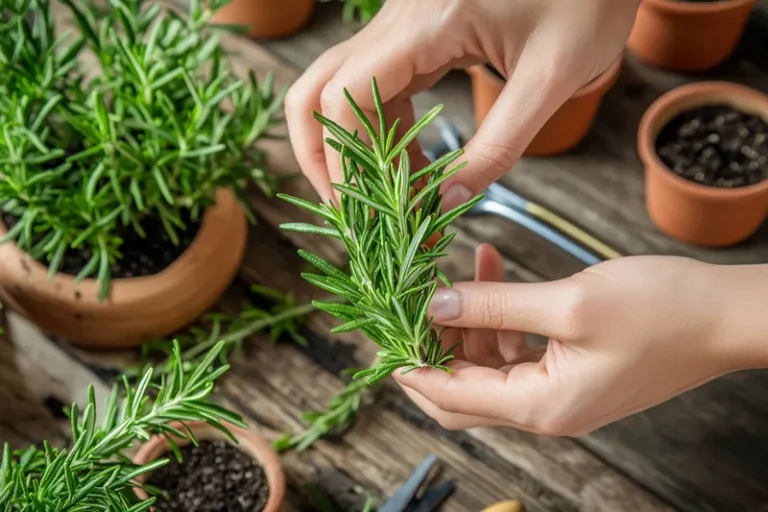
[(93, 473), (340, 413), (285, 317), (386, 216), (154, 129)]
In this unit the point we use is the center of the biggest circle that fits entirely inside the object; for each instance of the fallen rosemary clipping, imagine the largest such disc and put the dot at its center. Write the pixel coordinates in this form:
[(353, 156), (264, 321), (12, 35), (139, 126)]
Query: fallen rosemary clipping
[(387, 213), (340, 413), (360, 10), (93, 473), (283, 318)]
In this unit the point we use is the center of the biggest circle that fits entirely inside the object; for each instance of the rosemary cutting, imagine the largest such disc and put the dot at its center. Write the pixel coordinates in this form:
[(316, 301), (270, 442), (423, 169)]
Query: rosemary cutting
[(387, 214), (135, 115), (94, 473)]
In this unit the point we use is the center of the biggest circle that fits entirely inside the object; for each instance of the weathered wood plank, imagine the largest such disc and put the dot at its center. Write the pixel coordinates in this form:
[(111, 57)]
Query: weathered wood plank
[(36, 380)]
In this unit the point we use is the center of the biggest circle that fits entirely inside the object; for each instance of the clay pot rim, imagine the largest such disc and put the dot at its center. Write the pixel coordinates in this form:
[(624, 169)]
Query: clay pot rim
[(687, 97), (600, 83), (686, 7), (89, 287), (249, 442)]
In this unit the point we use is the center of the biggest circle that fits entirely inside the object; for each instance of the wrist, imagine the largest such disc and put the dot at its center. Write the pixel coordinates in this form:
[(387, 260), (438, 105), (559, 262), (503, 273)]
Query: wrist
[(742, 334)]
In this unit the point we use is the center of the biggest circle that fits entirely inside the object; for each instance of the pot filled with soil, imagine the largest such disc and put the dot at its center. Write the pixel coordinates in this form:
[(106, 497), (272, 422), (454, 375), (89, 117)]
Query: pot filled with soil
[(157, 286), (567, 127), (123, 192), (688, 35), (216, 474), (267, 19), (705, 151)]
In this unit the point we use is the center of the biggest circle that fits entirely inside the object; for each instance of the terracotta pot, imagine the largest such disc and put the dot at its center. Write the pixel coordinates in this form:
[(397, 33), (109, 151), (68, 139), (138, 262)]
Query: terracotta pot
[(248, 441), (567, 127), (138, 309), (688, 36), (267, 19), (694, 213)]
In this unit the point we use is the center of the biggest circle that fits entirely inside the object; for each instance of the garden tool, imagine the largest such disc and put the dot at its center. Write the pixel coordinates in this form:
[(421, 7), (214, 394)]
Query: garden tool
[(407, 497), (503, 202)]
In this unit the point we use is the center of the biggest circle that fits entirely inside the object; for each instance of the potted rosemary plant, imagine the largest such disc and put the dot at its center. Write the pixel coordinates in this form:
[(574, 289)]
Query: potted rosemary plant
[(96, 473), (128, 145), (392, 228)]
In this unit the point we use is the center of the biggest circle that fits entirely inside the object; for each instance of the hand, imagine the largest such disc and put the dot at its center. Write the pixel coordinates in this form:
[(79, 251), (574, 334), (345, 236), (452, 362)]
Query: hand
[(546, 48), (624, 335)]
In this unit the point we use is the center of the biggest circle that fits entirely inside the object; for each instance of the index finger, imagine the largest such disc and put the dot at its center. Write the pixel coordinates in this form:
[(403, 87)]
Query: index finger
[(305, 133)]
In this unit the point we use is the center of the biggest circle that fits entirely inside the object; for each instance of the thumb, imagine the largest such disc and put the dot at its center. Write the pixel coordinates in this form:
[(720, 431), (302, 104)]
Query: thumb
[(529, 98), (541, 308)]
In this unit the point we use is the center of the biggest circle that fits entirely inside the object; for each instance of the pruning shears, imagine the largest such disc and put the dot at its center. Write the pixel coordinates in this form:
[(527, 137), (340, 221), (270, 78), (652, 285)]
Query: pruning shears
[(408, 498)]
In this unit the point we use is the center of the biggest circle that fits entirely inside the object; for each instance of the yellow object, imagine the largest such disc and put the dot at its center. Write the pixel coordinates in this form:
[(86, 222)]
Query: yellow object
[(505, 506)]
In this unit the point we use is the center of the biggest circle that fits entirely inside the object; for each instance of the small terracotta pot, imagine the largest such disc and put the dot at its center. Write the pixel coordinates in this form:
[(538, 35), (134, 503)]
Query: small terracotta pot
[(138, 309), (694, 213), (688, 36), (267, 19), (567, 127), (248, 441)]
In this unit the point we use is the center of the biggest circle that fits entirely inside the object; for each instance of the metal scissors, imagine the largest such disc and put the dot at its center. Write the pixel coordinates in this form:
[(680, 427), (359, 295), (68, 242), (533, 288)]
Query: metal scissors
[(503, 202), (408, 499)]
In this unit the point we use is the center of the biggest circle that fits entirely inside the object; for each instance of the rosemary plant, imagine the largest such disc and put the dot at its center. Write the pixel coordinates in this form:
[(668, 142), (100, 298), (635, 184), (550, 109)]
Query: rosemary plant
[(134, 115), (93, 473), (387, 214)]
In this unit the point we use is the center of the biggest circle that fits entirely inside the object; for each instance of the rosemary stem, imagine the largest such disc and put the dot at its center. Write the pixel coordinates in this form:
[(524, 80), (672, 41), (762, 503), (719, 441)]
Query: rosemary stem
[(250, 329)]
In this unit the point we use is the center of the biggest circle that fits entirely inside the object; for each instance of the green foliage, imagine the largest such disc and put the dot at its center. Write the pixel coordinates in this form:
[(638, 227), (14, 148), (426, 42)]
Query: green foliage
[(135, 114), (387, 213), (341, 412), (362, 10), (93, 473), (285, 317)]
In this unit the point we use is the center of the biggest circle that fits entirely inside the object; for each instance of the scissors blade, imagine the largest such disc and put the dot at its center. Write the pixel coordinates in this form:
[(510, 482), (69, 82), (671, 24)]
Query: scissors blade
[(407, 492)]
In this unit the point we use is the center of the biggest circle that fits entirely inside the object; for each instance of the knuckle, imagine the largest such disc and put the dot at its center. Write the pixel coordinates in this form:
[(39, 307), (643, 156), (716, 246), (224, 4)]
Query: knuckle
[(492, 307), (576, 311), (496, 156), (332, 94)]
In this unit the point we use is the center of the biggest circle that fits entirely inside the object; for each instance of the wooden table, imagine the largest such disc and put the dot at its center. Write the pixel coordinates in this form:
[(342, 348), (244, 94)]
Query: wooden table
[(702, 451)]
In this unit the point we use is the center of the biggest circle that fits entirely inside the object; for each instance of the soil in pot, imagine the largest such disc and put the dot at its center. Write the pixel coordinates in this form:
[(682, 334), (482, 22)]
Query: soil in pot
[(716, 145), (141, 256), (214, 476)]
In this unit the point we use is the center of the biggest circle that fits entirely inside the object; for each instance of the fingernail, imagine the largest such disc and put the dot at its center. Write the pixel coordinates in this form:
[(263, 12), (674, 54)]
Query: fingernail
[(456, 195), (445, 305)]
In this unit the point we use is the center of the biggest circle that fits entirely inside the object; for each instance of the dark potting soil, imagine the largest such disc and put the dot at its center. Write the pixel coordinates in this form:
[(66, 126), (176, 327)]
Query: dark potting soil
[(717, 146), (212, 477), (141, 256)]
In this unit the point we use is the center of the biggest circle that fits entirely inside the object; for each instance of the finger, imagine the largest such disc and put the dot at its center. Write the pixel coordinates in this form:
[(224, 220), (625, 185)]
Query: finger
[(485, 392), (512, 344), (447, 420), (533, 93), (481, 345), (393, 72), (540, 308), (489, 265), (305, 133)]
